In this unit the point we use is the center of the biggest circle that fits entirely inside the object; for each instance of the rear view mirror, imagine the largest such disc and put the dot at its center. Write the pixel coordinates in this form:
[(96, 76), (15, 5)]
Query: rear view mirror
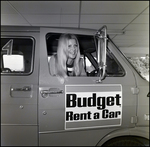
[(14, 63)]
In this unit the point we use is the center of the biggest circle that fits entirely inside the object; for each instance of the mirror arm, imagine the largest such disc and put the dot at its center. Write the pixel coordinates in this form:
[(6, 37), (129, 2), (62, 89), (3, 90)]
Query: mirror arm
[(101, 53)]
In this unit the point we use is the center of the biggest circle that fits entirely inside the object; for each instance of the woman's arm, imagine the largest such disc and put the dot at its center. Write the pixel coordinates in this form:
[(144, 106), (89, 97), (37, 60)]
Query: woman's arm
[(82, 70)]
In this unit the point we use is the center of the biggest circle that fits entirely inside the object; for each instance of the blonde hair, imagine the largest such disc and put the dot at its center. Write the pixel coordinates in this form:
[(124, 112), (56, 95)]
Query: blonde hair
[(62, 56)]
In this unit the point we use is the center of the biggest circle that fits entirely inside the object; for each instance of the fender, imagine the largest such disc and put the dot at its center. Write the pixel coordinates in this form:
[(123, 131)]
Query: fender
[(137, 131)]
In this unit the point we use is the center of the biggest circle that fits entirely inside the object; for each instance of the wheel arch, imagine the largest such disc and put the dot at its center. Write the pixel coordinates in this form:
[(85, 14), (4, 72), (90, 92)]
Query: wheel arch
[(138, 132)]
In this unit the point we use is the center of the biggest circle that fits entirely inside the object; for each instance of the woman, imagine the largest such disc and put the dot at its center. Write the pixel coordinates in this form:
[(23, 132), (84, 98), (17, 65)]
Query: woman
[(67, 61)]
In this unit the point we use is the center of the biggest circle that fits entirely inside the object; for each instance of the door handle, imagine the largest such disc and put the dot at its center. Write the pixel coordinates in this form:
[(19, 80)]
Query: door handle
[(25, 88), (45, 93)]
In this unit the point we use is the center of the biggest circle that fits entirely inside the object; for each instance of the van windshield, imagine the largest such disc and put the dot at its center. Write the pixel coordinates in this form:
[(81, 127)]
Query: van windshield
[(141, 64)]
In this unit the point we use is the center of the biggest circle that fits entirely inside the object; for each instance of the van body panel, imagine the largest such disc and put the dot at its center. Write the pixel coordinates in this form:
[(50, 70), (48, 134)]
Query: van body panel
[(19, 135), (36, 109), (19, 109), (74, 137), (143, 101)]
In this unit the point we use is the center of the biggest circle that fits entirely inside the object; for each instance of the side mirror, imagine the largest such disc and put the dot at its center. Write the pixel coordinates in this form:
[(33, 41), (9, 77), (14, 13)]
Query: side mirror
[(13, 63), (101, 52)]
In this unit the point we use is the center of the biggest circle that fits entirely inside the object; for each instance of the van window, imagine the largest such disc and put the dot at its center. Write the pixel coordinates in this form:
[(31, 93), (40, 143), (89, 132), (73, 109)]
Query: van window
[(16, 55), (141, 65), (88, 50)]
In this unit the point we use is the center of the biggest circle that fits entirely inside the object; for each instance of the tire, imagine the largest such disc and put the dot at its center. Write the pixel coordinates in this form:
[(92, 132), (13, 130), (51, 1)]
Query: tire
[(127, 141)]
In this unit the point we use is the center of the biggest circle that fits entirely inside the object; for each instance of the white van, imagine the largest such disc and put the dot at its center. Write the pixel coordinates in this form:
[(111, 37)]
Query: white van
[(109, 106)]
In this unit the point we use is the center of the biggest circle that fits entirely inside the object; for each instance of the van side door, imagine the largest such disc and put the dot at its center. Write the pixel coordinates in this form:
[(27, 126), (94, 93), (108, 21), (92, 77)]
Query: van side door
[(81, 111), (19, 88)]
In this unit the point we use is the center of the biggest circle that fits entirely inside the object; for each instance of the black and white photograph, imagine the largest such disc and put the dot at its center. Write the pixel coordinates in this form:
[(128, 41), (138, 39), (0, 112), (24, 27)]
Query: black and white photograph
[(75, 73)]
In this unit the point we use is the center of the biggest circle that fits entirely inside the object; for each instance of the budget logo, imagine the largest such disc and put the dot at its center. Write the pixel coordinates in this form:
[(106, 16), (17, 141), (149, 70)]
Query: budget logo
[(92, 106)]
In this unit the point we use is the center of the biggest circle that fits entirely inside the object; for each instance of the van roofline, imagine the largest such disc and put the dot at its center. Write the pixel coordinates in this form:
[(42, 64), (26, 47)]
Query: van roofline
[(6, 28)]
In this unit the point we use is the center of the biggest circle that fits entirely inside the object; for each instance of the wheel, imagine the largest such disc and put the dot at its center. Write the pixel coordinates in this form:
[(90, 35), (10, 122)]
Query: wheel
[(127, 141)]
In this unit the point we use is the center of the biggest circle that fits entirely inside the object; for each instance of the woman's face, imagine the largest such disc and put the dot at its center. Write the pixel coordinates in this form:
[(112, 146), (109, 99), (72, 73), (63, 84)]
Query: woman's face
[(72, 48)]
